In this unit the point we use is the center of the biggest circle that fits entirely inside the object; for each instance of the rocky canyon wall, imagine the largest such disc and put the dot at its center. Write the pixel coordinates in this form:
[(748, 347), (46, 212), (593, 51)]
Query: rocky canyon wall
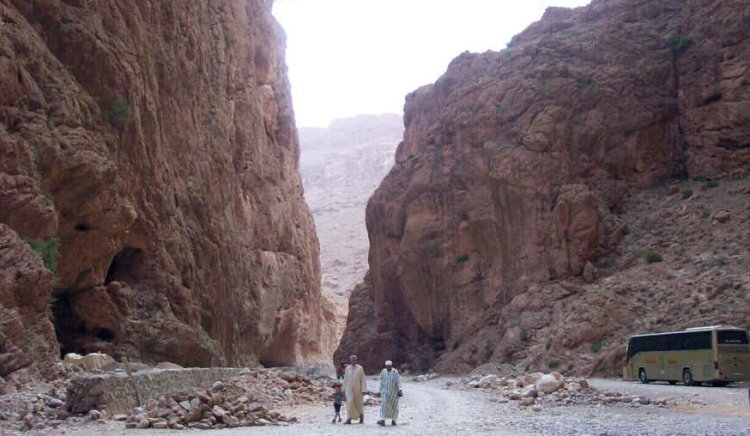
[(517, 168), (153, 146)]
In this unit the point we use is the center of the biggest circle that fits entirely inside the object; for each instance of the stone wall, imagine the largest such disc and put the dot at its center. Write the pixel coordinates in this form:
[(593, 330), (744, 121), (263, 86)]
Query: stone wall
[(120, 393)]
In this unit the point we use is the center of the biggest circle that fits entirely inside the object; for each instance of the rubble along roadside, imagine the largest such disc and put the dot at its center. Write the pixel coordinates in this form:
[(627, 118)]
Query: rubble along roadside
[(538, 391), (252, 397)]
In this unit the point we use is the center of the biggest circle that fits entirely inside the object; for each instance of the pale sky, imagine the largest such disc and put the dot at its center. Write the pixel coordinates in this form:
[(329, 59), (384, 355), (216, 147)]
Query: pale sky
[(350, 57)]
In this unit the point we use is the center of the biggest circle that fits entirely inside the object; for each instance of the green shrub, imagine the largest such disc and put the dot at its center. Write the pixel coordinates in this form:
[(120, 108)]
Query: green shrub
[(119, 112), (487, 352), (705, 212), (523, 335), (48, 251), (462, 258), (652, 257), (687, 194), (720, 261), (64, 30), (595, 348), (711, 184), (585, 85), (679, 44), (700, 179), (35, 158)]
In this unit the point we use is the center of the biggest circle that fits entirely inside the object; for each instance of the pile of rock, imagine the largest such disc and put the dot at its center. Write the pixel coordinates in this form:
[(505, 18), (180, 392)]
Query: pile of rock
[(280, 387), (426, 377), (238, 402), (37, 412), (33, 406), (549, 390), (91, 361)]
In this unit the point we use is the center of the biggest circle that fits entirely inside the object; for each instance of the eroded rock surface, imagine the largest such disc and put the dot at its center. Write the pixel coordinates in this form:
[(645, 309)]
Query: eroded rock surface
[(516, 168), (157, 141), (26, 333)]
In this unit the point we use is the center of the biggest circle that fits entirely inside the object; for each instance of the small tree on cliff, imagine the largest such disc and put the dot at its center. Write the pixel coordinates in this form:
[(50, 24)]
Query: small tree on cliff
[(119, 112)]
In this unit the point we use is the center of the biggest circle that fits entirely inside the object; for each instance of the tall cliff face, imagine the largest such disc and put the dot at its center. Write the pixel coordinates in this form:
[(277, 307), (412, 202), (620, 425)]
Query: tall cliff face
[(516, 167), (156, 140)]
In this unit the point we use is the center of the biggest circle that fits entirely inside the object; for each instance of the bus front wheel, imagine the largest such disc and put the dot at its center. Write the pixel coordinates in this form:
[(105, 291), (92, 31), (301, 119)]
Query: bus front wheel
[(687, 377), (642, 376)]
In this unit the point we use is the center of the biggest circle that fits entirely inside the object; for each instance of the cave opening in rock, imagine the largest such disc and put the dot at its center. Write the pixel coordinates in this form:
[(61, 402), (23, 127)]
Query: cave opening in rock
[(68, 326), (72, 333), (105, 334), (127, 266)]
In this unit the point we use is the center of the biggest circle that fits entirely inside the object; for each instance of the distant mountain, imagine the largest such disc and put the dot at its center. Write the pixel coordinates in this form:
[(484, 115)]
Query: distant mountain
[(341, 166)]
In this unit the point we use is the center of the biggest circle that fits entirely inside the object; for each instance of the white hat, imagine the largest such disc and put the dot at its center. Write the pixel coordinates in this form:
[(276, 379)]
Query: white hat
[(388, 362)]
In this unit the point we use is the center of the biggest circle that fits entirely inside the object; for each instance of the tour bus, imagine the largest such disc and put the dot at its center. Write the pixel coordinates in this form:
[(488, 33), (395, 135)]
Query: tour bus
[(716, 355)]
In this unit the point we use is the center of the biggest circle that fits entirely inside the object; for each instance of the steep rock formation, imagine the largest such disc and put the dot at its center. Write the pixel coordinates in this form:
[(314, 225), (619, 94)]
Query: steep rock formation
[(516, 166), (26, 332), (157, 141)]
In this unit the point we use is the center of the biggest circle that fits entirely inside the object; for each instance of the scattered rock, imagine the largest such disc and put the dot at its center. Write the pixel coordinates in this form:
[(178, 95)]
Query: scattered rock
[(167, 365), (722, 216), (90, 361), (548, 384), (217, 386), (426, 377), (550, 390), (55, 402), (235, 402)]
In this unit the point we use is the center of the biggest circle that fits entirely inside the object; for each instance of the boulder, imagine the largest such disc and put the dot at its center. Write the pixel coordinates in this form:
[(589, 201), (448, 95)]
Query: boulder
[(548, 384)]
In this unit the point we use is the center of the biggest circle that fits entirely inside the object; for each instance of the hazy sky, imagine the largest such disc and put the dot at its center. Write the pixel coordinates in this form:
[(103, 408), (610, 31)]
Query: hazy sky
[(349, 57)]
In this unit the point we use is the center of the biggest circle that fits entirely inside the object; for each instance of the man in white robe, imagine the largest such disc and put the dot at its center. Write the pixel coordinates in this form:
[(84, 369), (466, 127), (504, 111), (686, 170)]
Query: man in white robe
[(354, 389), (390, 391)]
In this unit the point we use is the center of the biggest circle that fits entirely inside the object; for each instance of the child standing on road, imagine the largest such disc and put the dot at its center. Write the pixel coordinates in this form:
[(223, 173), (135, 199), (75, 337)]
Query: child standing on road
[(338, 398)]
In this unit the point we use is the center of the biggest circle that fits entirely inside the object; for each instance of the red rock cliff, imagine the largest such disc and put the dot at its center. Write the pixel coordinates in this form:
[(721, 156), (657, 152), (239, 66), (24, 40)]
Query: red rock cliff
[(157, 141), (515, 167)]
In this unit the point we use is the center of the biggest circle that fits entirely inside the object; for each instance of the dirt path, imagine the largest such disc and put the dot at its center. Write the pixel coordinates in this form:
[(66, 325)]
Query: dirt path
[(430, 409)]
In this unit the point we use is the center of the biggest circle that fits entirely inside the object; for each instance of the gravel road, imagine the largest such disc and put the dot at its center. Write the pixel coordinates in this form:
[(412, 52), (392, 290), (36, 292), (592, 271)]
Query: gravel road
[(429, 409)]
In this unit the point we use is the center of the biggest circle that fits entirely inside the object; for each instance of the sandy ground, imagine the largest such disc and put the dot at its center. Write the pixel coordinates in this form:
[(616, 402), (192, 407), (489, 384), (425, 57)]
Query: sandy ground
[(429, 409)]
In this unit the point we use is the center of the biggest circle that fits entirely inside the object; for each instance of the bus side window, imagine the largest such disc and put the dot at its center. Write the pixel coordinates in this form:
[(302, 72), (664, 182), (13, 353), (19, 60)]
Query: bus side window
[(674, 342), (699, 341), (635, 346)]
